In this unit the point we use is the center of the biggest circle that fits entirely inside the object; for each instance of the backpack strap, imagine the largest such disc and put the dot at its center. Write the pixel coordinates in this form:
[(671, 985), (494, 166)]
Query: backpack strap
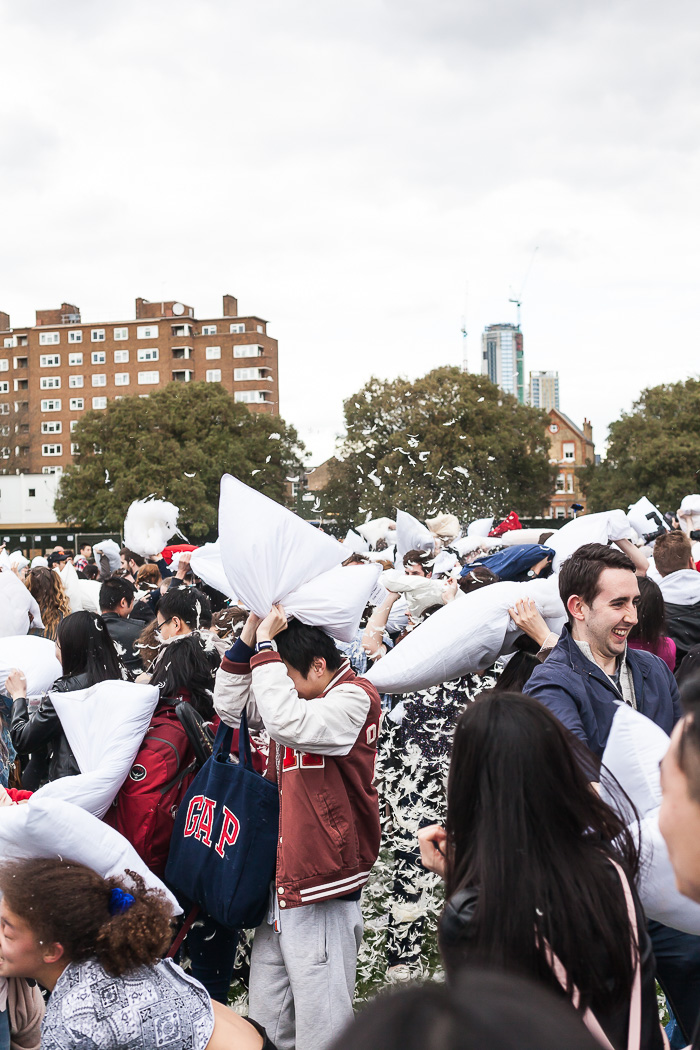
[(182, 932), (634, 1029)]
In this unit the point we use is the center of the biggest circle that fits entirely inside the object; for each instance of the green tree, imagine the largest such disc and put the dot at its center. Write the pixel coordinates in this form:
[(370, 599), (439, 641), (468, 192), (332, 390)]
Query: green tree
[(653, 451), (451, 441), (176, 443)]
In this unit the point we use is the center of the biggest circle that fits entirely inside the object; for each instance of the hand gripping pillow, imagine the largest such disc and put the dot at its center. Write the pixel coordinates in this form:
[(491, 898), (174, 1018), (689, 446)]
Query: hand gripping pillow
[(111, 551), (267, 551), (632, 754), (590, 528), (467, 635), (148, 526), (105, 726), (50, 827), (412, 535), (35, 657), (207, 564)]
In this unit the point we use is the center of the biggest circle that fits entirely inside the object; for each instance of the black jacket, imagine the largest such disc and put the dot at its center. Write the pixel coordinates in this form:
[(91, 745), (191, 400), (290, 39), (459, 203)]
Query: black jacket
[(42, 730), (683, 625), (124, 633)]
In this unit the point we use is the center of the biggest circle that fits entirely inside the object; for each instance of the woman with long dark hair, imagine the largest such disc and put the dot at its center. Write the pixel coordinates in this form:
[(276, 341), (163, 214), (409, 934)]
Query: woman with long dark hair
[(539, 871), (88, 656), (46, 587), (649, 632), (185, 669)]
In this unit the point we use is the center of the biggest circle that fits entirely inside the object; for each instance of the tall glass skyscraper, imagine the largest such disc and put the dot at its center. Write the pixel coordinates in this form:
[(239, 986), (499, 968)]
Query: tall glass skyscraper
[(544, 390), (502, 358)]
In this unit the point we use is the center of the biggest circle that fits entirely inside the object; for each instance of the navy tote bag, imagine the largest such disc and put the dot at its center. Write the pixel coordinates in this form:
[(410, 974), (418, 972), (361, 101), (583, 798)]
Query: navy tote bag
[(224, 845)]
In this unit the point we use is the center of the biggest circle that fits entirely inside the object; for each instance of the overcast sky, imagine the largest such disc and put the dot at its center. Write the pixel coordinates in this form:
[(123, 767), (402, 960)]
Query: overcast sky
[(365, 175)]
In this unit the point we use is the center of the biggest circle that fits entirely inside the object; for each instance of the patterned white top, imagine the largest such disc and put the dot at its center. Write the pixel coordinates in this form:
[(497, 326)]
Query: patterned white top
[(153, 1008)]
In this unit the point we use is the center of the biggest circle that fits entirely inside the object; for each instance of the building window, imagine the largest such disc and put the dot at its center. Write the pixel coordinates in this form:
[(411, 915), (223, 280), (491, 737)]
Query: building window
[(121, 357), (248, 350), (120, 333), (151, 354), (241, 374), (99, 402), (121, 379), (4, 408), (4, 364), (5, 387), (237, 328), (148, 378), (147, 331), (49, 338), (560, 483), (54, 405), (73, 425), (52, 470), (569, 450), (260, 328), (77, 404), (569, 482), (75, 337), (213, 375), (10, 340), (213, 353), (97, 335), (75, 359), (250, 397), (99, 357), (208, 329), (560, 513), (74, 448), (20, 384), (75, 381), (53, 426), (99, 379), (50, 361), (52, 450), (50, 382)]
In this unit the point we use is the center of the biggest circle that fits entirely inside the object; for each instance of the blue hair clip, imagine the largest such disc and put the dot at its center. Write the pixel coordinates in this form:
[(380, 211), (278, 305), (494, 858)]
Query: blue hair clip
[(119, 901)]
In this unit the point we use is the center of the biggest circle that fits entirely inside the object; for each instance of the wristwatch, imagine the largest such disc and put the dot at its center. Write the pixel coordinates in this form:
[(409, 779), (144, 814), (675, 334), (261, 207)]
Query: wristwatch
[(268, 646)]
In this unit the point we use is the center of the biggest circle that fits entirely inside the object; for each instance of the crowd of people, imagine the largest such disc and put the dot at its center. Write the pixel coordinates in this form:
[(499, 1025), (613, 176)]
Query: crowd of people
[(485, 792)]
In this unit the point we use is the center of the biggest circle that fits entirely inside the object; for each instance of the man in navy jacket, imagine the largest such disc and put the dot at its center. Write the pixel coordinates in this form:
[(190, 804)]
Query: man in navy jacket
[(583, 680), (591, 670)]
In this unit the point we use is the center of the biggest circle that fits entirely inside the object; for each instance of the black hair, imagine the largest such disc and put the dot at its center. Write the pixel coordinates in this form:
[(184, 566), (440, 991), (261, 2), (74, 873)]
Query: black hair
[(86, 648), (113, 590), (491, 1009), (526, 827), (130, 556), (580, 573), (187, 603), (301, 644), (188, 662), (423, 558), (651, 614), (476, 578), (517, 672)]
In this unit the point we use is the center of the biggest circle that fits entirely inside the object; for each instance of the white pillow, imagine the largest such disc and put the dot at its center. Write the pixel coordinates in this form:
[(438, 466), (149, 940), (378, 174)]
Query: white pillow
[(412, 535), (267, 551), (207, 564), (148, 526), (480, 527), (467, 635), (35, 657), (378, 529), (50, 827), (517, 536), (639, 519), (590, 528), (16, 605), (335, 600), (90, 595), (105, 726), (71, 585), (355, 543)]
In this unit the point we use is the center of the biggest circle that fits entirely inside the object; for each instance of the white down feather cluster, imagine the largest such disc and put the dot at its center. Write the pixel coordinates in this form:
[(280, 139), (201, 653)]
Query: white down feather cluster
[(148, 526)]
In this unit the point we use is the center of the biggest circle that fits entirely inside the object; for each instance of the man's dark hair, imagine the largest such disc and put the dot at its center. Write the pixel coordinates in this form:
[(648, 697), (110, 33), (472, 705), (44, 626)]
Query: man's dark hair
[(113, 590), (689, 750), (416, 557), (580, 574), (130, 556), (301, 644), (187, 603)]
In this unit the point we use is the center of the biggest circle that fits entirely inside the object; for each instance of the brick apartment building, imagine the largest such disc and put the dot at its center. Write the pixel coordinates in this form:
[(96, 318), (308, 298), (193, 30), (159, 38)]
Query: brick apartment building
[(570, 447), (61, 367)]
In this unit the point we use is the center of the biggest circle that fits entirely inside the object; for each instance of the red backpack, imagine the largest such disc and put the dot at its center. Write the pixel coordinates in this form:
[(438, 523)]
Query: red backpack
[(145, 808)]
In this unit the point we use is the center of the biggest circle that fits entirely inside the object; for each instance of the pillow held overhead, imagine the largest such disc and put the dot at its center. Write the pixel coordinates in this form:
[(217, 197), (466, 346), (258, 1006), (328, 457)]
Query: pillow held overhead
[(148, 526)]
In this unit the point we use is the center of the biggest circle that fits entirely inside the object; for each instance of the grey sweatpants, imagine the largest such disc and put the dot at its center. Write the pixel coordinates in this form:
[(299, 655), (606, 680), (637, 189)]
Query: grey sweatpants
[(302, 979)]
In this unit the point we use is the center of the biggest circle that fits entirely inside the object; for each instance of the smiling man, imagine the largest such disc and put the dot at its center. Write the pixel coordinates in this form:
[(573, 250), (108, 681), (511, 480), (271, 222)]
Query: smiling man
[(591, 670)]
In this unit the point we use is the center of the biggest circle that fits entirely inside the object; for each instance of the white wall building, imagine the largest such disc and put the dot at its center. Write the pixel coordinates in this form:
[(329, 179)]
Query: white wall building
[(28, 499)]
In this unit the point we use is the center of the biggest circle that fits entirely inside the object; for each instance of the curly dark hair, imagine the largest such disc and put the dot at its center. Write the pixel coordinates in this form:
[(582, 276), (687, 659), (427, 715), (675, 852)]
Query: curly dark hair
[(67, 903)]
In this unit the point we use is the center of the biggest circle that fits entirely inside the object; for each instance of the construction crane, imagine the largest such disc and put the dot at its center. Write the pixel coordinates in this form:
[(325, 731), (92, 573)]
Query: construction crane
[(518, 300)]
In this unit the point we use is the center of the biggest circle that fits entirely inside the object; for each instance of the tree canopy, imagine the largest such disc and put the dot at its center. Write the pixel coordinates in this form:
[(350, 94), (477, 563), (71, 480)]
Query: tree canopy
[(653, 451), (450, 441), (176, 443)]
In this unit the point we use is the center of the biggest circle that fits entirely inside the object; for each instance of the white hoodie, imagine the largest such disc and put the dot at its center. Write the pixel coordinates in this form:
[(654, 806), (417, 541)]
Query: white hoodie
[(681, 587)]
